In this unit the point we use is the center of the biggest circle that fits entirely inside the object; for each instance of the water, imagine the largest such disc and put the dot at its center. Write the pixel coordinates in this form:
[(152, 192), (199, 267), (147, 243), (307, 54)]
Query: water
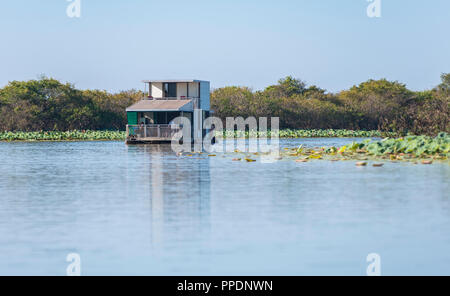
[(140, 210)]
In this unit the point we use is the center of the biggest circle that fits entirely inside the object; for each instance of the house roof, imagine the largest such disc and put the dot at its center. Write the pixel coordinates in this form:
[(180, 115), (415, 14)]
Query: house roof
[(162, 105), (173, 81)]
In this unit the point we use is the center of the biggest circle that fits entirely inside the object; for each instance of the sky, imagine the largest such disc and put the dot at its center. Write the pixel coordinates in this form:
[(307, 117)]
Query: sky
[(115, 45)]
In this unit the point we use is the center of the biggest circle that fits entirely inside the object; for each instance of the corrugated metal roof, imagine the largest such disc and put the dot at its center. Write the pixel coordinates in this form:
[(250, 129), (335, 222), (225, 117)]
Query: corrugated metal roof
[(162, 105), (173, 81)]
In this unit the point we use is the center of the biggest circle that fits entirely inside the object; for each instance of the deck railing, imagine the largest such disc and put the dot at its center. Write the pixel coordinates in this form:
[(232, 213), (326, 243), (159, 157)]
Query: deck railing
[(169, 98), (155, 131), (196, 101)]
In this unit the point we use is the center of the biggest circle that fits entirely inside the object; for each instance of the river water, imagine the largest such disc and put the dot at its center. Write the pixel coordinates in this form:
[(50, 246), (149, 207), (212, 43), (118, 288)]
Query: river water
[(141, 210)]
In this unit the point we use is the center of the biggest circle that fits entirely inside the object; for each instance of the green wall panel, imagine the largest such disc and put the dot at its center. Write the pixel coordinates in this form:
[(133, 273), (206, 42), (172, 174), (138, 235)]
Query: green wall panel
[(132, 118)]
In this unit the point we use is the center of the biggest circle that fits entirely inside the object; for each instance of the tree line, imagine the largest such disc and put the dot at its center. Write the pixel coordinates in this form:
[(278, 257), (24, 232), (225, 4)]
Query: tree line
[(372, 105), (47, 104)]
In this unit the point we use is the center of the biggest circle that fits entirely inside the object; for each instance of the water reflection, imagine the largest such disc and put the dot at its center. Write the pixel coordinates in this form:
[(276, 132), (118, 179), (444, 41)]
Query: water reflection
[(179, 195), (141, 210)]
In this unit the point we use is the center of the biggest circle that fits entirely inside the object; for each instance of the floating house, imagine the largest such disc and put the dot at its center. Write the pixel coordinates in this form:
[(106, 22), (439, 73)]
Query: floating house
[(151, 119)]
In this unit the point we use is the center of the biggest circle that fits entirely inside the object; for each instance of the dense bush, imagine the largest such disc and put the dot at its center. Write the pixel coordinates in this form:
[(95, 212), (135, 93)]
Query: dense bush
[(47, 104), (372, 105)]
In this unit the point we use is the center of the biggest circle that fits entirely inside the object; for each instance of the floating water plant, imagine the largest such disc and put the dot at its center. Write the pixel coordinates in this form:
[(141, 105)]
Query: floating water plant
[(298, 133), (90, 135), (410, 148), (301, 160), (75, 135)]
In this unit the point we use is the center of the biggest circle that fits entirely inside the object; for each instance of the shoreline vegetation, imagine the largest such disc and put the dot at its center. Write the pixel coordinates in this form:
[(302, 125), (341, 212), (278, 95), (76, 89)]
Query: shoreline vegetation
[(313, 133), (57, 136), (89, 135), (383, 105), (48, 110), (47, 104)]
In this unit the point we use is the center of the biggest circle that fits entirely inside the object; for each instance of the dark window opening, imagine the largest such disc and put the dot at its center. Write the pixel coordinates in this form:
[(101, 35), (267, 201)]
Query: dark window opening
[(170, 90)]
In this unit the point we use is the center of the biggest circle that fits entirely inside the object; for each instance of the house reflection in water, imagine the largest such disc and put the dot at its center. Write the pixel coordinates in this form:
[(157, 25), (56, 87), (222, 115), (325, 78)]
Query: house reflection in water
[(179, 196)]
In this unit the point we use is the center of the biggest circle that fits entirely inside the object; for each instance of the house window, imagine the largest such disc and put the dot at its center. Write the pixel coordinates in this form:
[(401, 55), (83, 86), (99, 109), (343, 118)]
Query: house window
[(170, 90)]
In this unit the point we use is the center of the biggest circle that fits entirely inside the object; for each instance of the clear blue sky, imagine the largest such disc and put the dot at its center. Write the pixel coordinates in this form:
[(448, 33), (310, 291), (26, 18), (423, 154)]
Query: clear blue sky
[(331, 43)]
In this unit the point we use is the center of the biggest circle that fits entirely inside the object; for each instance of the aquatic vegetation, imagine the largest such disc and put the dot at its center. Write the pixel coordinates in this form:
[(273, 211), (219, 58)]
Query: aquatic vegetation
[(301, 160), (314, 133), (63, 136), (416, 146), (410, 148), (90, 135), (393, 149)]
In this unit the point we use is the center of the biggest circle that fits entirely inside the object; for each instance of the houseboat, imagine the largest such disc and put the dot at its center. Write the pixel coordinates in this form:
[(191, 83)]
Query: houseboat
[(151, 119)]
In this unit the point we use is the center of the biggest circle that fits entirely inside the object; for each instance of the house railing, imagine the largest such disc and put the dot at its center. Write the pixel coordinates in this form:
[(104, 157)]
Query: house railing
[(169, 98), (156, 131), (195, 100)]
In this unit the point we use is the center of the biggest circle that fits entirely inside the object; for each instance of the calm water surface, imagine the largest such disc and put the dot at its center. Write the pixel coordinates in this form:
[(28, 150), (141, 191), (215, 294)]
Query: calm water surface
[(141, 210)]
